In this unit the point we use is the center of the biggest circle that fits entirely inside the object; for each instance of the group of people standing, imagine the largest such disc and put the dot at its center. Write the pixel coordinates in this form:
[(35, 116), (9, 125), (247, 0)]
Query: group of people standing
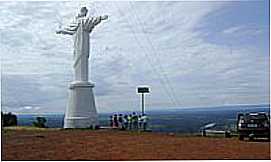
[(129, 122)]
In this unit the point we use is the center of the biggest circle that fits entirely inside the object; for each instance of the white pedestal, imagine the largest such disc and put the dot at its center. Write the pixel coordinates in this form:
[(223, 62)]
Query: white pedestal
[(81, 111)]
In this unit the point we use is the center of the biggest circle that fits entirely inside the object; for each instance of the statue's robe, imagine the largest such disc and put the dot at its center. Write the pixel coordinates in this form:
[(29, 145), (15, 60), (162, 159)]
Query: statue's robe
[(81, 51)]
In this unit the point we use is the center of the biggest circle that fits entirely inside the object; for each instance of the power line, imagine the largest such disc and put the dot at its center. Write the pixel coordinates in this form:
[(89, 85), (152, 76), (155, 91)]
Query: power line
[(156, 54), (147, 56), (145, 51)]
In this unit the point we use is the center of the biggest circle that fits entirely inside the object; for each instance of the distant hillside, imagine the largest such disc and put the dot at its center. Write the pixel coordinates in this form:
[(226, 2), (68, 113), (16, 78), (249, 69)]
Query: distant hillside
[(187, 120)]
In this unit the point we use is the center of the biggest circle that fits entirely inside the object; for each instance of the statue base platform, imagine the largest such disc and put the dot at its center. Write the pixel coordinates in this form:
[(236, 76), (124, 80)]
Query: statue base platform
[(81, 111)]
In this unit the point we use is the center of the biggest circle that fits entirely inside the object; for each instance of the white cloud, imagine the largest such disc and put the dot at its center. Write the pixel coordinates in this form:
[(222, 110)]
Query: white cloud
[(37, 63), (243, 30), (232, 30)]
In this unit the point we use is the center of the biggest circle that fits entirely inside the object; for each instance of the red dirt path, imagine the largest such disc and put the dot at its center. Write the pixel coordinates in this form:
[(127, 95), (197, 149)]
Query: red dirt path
[(117, 145)]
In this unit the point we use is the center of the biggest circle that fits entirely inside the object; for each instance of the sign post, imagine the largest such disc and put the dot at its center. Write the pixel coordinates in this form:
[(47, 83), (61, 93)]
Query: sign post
[(142, 90)]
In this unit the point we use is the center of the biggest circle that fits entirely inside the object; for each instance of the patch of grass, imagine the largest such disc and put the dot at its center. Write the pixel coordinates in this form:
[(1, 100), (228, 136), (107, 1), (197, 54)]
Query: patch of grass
[(6, 132), (77, 129), (29, 128), (187, 134)]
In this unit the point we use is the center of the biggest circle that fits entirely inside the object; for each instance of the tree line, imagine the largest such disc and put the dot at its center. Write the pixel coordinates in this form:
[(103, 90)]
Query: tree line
[(9, 119)]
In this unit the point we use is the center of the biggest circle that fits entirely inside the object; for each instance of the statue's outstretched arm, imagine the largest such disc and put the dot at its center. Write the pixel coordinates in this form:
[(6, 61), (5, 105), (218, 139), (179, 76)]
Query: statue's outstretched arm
[(70, 29), (105, 17), (73, 25), (65, 32), (99, 19), (92, 22), (73, 29)]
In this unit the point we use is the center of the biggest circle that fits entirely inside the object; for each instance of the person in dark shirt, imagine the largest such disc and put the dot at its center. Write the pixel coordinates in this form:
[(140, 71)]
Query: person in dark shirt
[(111, 121), (139, 122), (121, 125), (116, 123), (125, 122), (135, 121)]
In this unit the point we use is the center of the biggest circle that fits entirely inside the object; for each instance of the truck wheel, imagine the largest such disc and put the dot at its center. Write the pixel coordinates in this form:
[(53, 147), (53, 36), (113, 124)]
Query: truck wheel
[(251, 137)]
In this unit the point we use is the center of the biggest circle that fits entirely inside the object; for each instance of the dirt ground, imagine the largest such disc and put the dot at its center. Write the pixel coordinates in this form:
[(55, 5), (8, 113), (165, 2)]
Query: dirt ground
[(120, 145)]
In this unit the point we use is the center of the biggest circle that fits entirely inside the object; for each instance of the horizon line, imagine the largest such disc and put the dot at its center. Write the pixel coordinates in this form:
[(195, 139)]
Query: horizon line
[(160, 109)]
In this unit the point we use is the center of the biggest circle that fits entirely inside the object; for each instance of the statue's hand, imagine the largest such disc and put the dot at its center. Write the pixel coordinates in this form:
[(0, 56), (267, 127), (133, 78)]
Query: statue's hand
[(105, 17), (58, 32)]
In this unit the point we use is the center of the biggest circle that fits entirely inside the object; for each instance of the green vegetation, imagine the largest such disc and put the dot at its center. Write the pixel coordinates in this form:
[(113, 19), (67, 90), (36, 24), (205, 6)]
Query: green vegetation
[(40, 123), (9, 119), (28, 128)]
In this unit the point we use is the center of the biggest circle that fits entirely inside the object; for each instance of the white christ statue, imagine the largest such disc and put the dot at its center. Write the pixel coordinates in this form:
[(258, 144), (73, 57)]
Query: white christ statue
[(80, 29), (81, 111)]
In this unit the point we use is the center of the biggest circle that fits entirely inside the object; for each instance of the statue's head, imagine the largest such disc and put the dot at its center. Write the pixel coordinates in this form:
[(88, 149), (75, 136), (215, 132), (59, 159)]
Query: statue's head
[(83, 11)]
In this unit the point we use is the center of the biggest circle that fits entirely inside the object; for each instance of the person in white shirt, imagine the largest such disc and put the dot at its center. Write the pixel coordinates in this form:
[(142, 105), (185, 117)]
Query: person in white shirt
[(144, 119), (130, 121)]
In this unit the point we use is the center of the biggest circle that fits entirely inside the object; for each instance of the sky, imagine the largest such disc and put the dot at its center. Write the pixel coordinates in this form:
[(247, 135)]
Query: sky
[(191, 54)]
